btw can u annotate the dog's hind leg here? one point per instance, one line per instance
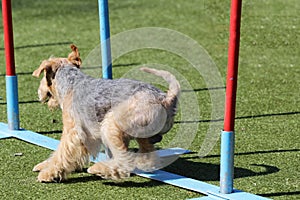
(146, 158)
(122, 161)
(145, 146)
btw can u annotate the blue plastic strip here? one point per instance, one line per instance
(3, 136)
(105, 39)
(30, 137)
(212, 191)
(172, 152)
(161, 153)
(227, 162)
(12, 102)
(204, 198)
(235, 195)
(180, 181)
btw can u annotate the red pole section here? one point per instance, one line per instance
(232, 68)
(8, 38)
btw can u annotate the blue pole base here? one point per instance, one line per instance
(226, 163)
(12, 102)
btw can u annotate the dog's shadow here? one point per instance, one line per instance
(126, 183)
(187, 166)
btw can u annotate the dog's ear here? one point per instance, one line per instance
(41, 68)
(50, 67)
(74, 56)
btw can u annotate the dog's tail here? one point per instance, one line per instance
(170, 102)
(174, 87)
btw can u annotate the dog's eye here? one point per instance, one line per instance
(49, 94)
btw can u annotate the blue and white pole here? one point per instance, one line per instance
(105, 47)
(105, 39)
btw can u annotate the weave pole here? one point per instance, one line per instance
(105, 39)
(11, 77)
(227, 135)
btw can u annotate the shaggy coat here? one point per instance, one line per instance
(103, 111)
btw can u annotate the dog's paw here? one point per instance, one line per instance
(49, 176)
(39, 167)
(147, 161)
(108, 172)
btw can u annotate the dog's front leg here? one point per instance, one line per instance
(39, 167)
(70, 155)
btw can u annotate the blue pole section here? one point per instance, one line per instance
(105, 39)
(12, 102)
(105, 47)
(227, 156)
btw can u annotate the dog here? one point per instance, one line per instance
(107, 112)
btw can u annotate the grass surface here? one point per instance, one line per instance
(267, 124)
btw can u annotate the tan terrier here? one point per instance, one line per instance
(103, 111)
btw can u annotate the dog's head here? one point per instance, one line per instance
(46, 90)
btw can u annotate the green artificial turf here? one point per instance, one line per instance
(267, 115)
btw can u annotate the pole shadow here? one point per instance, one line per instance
(241, 117)
(39, 45)
(23, 102)
(278, 194)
